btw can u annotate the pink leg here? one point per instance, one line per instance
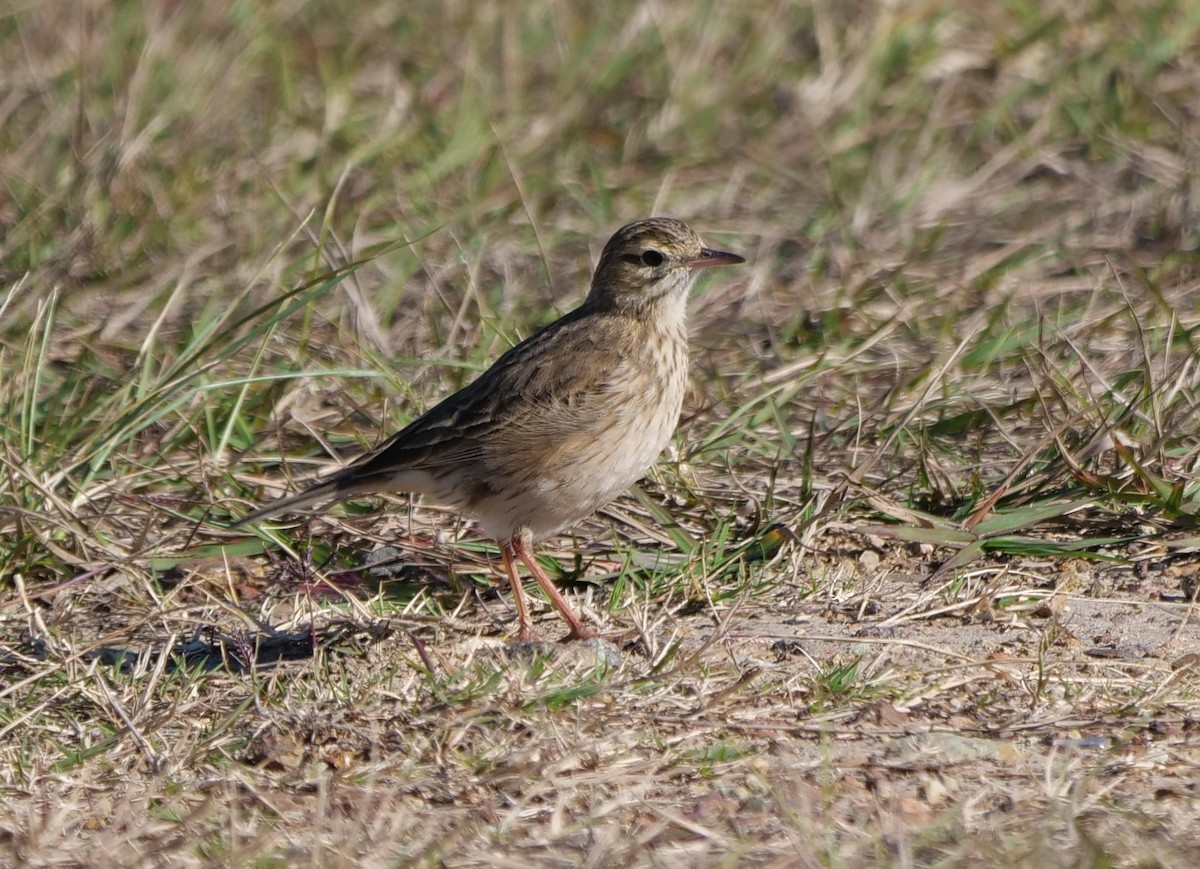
(525, 629)
(521, 547)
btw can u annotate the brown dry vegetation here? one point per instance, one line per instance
(914, 586)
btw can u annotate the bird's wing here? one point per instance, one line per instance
(522, 392)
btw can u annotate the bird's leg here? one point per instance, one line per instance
(522, 547)
(525, 631)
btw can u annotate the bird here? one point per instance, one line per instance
(562, 423)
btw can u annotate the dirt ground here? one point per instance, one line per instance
(830, 706)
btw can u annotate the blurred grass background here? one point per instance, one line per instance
(237, 231)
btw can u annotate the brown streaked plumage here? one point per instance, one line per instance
(563, 422)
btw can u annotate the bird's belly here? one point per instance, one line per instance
(575, 477)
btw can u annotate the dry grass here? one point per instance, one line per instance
(915, 586)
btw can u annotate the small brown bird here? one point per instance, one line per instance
(562, 423)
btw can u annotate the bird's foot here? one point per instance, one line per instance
(579, 632)
(526, 634)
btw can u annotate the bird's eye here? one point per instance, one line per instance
(652, 258)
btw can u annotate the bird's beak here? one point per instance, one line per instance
(709, 258)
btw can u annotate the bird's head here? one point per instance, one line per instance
(649, 260)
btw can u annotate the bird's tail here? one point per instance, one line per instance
(335, 488)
